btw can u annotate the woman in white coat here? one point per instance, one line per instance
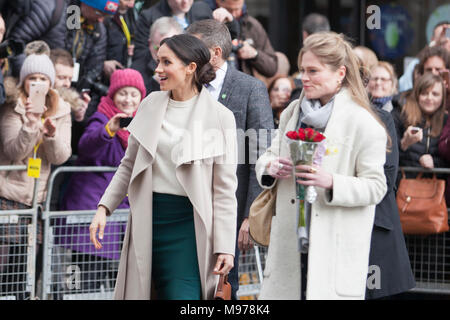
(349, 183)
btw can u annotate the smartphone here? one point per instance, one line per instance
(88, 91)
(124, 122)
(38, 92)
(414, 130)
(447, 32)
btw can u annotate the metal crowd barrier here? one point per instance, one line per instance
(72, 268)
(430, 255)
(71, 274)
(18, 231)
(251, 268)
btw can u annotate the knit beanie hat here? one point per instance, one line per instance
(37, 63)
(106, 6)
(126, 78)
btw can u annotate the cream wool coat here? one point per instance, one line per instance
(208, 179)
(340, 229)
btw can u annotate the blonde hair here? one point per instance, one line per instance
(411, 111)
(334, 51)
(390, 69)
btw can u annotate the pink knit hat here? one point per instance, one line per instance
(126, 78)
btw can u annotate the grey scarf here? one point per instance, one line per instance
(313, 114)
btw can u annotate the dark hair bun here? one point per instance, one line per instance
(206, 74)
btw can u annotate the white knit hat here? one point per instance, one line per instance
(37, 63)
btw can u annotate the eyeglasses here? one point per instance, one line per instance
(381, 79)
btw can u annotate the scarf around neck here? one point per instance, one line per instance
(108, 108)
(313, 114)
(380, 102)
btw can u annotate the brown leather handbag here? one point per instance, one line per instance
(421, 205)
(260, 216)
(223, 291)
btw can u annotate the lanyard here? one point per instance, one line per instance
(36, 147)
(125, 30)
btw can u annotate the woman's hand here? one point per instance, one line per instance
(49, 128)
(114, 122)
(224, 264)
(313, 176)
(98, 223)
(410, 137)
(426, 161)
(280, 168)
(244, 241)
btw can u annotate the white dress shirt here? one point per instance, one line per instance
(215, 86)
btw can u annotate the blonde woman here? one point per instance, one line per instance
(333, 261)
(383, 85)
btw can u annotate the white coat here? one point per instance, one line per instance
(341, 229)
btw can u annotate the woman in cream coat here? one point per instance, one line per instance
(204, 169)
(349, 182)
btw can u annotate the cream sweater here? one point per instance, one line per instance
(172, 129)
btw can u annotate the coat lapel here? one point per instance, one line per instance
(153, 107)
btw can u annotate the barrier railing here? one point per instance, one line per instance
(72, 268)
(18, 232)
(430, 255)
(251, 268)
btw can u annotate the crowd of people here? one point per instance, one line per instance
(210, 63)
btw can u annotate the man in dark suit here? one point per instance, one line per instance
(247, 97)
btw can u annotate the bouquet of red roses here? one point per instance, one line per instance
(307, 147)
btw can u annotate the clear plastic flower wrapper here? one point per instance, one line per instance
(307, 147)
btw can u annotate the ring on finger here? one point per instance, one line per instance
(280, 166)
(312, 170)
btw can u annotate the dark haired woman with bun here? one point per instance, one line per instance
(179, 172)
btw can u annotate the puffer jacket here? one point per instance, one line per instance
(117, 48)
(17, 146)
(37, 25)
(94, 50)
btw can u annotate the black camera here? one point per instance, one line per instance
(124, 122)
(235, 48)
(10, 48)
(88, 83)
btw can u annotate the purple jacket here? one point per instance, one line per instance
(96, 148)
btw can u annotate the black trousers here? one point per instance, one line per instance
(304, 275)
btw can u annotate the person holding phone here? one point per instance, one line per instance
(34, 124)
(103, 143)
(420, 122)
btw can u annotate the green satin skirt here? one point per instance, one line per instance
(175, 272)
